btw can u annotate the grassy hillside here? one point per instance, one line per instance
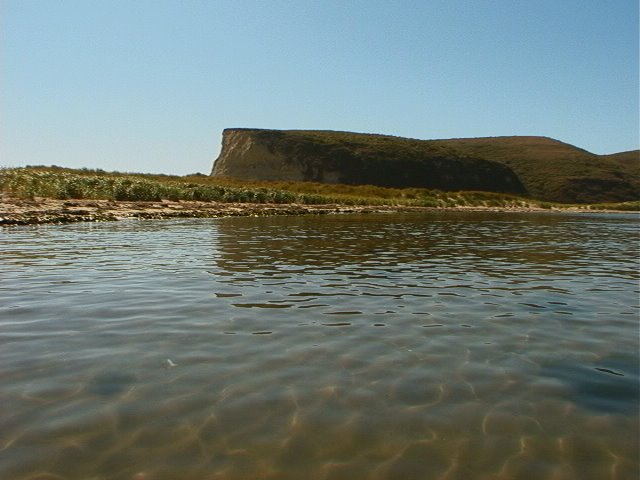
(560, 172)
(536, 167)
(363, 159)
(64, 183)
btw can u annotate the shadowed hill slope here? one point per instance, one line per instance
(538, 167)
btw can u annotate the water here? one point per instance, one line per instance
(434, 346)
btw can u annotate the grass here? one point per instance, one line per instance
(63, 183)
(85, 184)
(621, 206)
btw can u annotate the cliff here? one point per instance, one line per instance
(537, 167)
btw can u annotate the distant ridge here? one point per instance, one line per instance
(538, 167)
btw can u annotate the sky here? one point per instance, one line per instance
(149, 85)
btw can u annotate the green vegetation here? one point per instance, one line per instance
(361, 159)
(63, 183)
(66, 183)
(621, 206)
(559, 172)
(533, 167)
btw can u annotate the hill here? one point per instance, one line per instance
(537, 167)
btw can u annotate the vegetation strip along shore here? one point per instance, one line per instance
(37, 195)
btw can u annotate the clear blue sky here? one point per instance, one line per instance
(149, 85)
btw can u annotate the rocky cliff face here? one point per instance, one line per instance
(531, 166)
(249, 154)
(292, 156)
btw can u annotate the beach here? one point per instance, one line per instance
(40, 210)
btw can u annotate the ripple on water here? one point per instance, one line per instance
(601, 389)
(446, 345)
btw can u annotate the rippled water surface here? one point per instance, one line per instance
(434, 346)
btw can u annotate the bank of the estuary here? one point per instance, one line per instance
(41, 210)
(35, 195)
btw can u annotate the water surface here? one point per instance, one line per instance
(433, 346)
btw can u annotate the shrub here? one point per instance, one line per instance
(62, 183)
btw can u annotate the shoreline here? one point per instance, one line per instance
(40, 210)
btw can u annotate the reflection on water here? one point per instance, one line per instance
(444, 345)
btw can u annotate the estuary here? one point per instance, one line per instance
(439, 345)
